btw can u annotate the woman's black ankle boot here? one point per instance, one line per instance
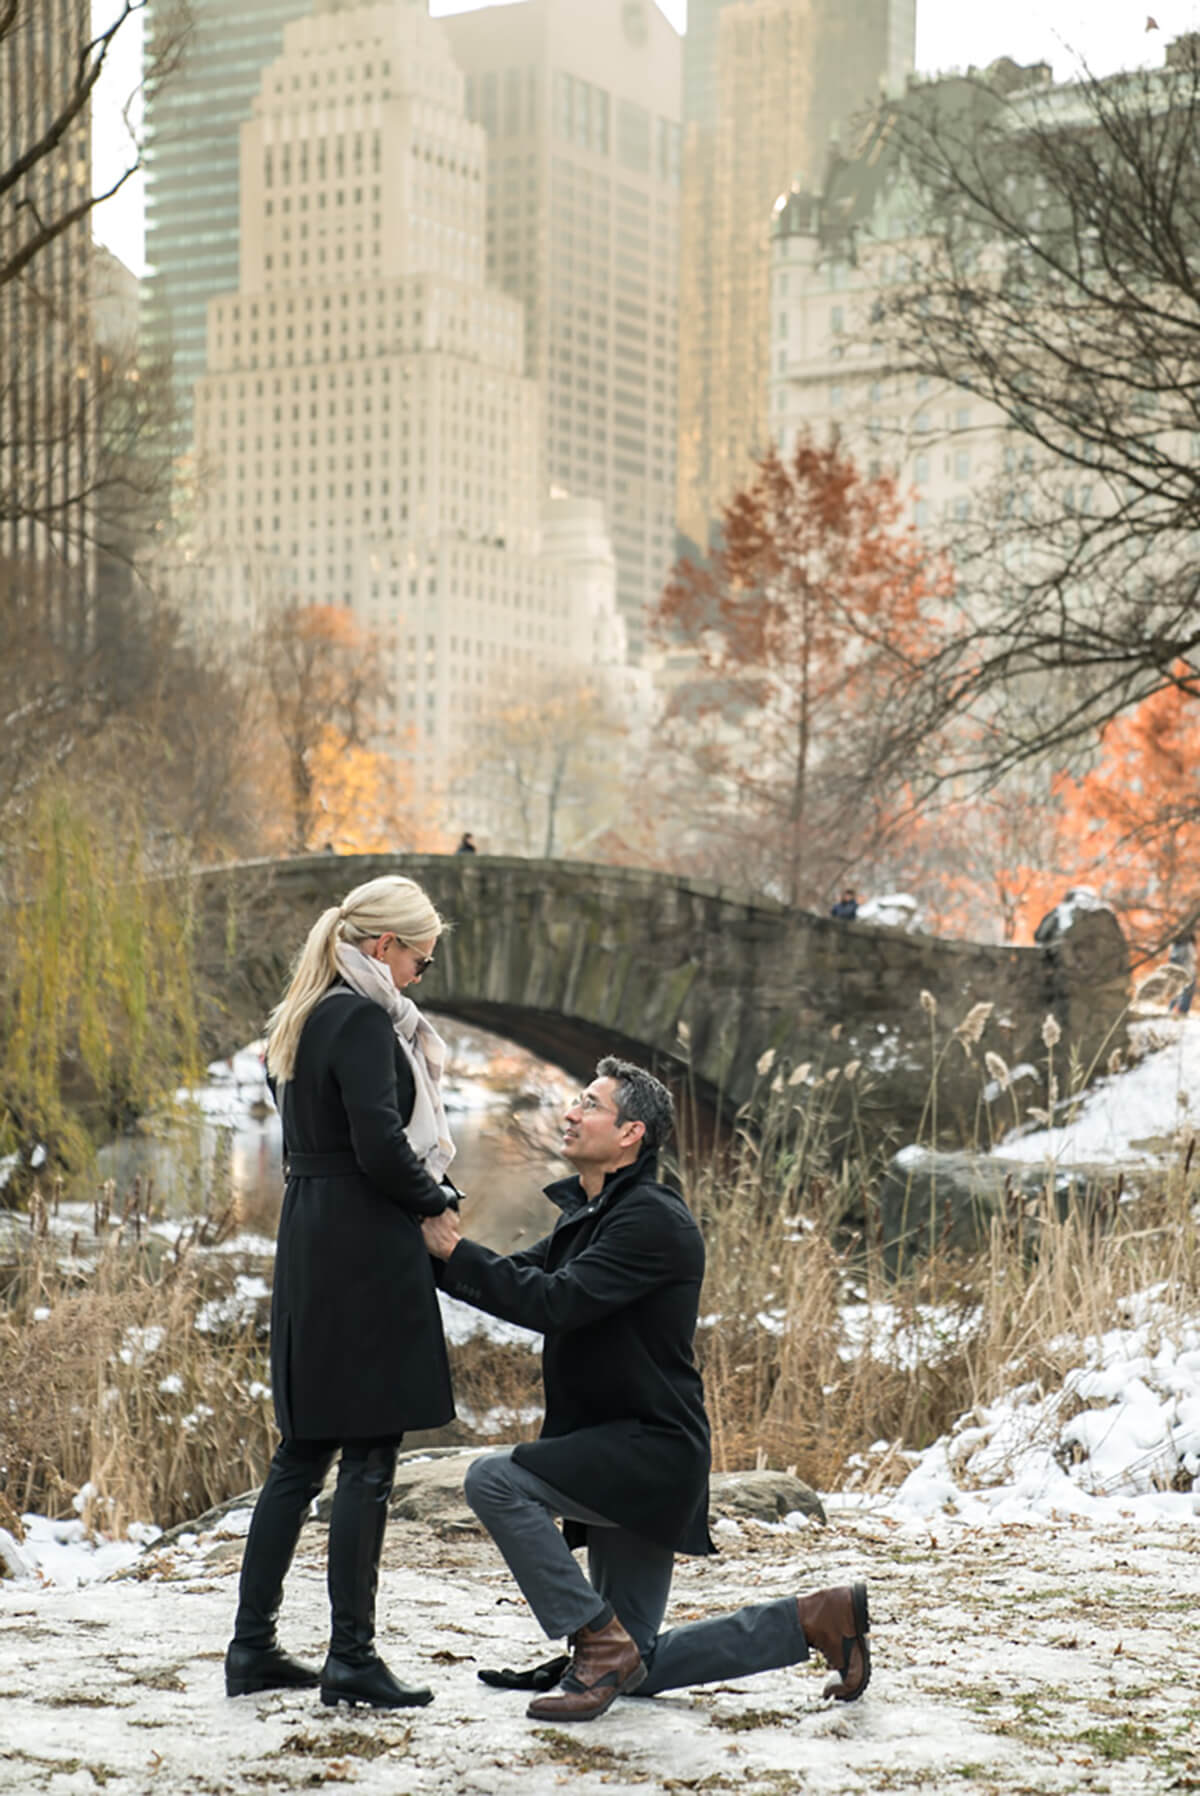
(371, 1683)
(249, 1669)
(255, 1660)
(354, 1672)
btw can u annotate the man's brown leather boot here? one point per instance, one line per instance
(605, 1664)
(837, 1623)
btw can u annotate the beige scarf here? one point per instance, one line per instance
(427, 1129)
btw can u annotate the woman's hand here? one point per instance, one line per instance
(442, 1234)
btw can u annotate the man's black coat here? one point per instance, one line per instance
(357, 1351)
(615, 1290)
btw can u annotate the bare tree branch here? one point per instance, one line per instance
(1054, 273)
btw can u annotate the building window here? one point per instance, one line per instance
(667, 151)
(633, 137)
(512, 102)
(488, 115)
(581, 113)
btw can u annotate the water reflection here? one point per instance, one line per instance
(503, 1107)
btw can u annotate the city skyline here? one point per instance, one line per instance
(368, 435)
(948, 36)
(770, 85)
(583, 168)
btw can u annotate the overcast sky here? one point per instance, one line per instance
(1107, 34)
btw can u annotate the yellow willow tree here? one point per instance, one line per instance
(97, 1008)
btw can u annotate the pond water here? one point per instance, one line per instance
(224, 1145)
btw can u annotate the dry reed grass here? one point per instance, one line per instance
(1047, 1281)
(785, 1382)
(497, 1390)
(814, 1352)
(136, 1375)
(814, 1355)
(135, 1381)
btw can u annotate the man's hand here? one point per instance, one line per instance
(442, 1234)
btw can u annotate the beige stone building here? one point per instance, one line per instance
(366, 434)
(47, 378)
(581, 107)
(779, 80)
(834, 367)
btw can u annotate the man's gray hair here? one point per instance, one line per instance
(640, 1098)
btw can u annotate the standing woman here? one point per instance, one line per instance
(357, 1351)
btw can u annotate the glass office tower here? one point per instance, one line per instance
(193, 124)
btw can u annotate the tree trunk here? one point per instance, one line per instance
(799, 801)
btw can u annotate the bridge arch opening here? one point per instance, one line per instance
(573, 961)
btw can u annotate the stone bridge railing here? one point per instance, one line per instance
(572, 960)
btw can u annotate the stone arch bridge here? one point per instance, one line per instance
(572, 960)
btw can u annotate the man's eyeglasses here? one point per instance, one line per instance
(589, 1104)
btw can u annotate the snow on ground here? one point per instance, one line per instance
(1118, 1438)
(1033, 1598)
(1052, 1656)
(1134, 1117)
(462, 1323)
(1034, 1584)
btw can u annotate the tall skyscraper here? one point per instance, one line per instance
(835, 368)
(47, 376)
(581, 104)
(769, 84)
(366, 433)
(192, 125)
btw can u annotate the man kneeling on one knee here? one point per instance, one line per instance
(623, 1458)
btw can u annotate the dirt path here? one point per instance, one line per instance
(1058, 1658)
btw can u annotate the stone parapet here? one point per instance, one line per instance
(572, 960)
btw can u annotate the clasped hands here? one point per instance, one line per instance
(442, 1234)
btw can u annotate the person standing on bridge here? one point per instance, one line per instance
(623, 1456)
(357, 1351)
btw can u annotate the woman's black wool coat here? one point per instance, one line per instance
(357, 1350)
(615, 1290)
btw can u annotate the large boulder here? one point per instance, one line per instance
(763, 1496)
(932, 1202)
(429, 1489)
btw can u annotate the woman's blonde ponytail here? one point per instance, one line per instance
(390, 904)
(315, 971)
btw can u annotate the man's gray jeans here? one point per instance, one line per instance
(518, 1509)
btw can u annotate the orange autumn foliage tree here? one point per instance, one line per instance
(805, 630)
(332, 759)
(1127, 828)
(365, 800)
(986, 866)
(1130, 823)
